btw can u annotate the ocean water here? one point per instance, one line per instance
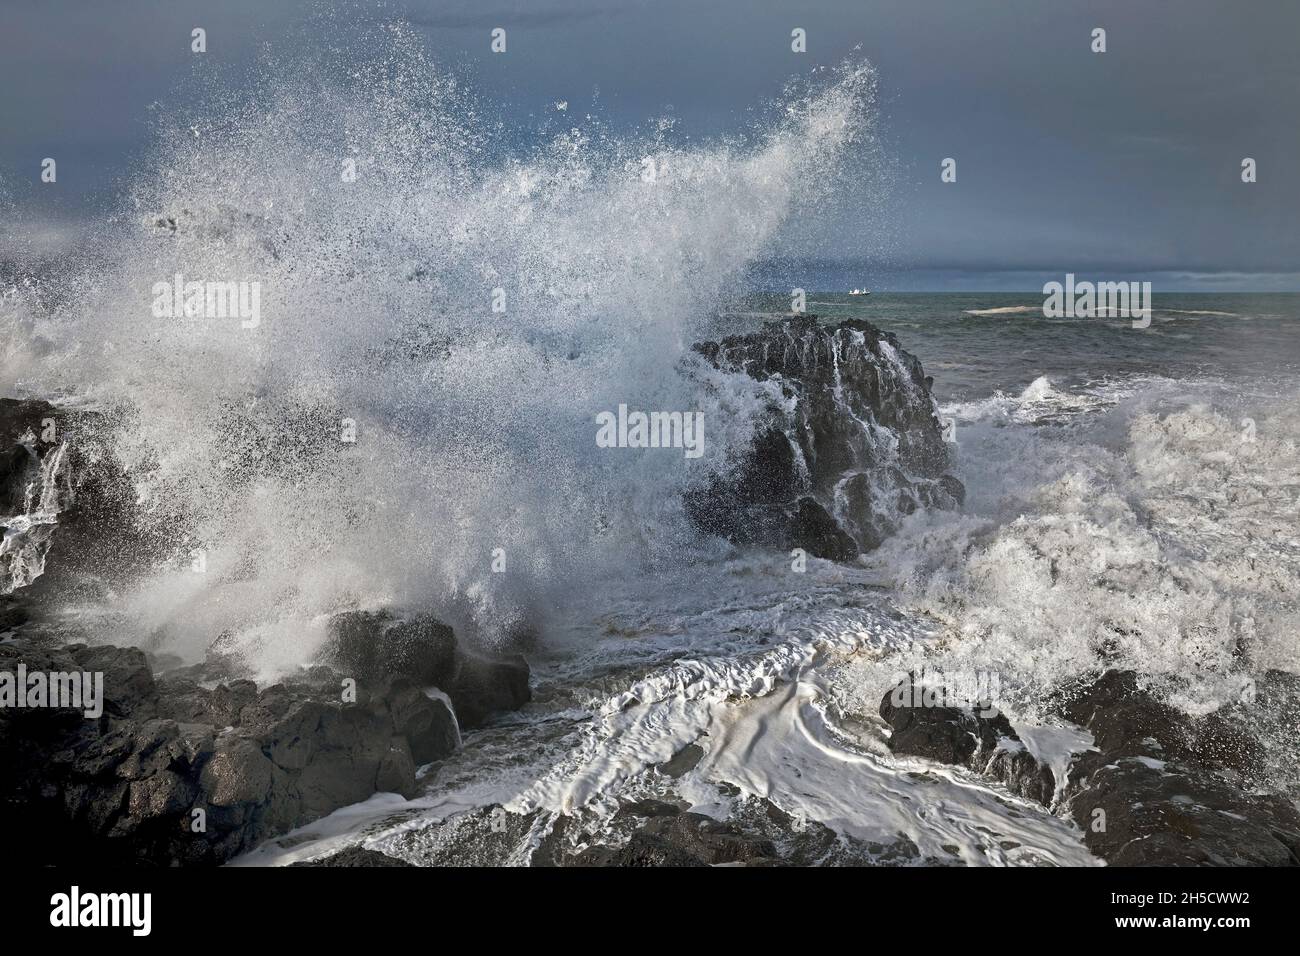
(1130, 504)
(1132, 495)
(979, 343)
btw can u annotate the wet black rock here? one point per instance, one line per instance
(948, 734)
(82, 528)
(34, 484)
(682, 839)
(651, 808)
(683, 761)
(1158, 788)
(428, 727)
(1013, 764)
(862, 447)
(484, 686)
(377, 647)
(176, 772)
(1165, 789)
(354, 856)
(28, 431)
(645, 832)
(976, 735)
(652, 832)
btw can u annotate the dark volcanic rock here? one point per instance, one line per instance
(814, 529)
(1020, 771)
(176, 770)
(975, 736)
(483, 686)
(682, 839)
(375, 647)
(126, 787)
(1164, 789)
(427, 725)
(658, 833)
(70, 507)
(1159, 788)
(862, 448)
(943, 733)
(683, 761)
(354, 856)
(35, 485)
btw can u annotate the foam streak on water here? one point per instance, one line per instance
(757, 680)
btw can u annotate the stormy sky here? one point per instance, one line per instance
(1125, 164)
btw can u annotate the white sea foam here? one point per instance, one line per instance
(761, 677)
(1040, 401)
(1131, 530)
(1128, 526)
(1005, 310)
(1038, 309)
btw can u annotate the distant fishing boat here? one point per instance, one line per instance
(859, 292)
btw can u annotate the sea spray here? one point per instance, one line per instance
(437, 330)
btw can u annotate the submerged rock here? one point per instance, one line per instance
(853, 445)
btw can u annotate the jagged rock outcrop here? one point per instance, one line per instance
(34, 487)
(853, 445)
(124, 786)
(66, 508)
